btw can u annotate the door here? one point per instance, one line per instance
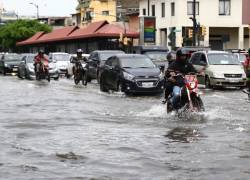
(196, 62)
(93, 65)
(114, 73)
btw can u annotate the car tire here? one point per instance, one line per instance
(56, 78)
(67, 75)
(102, 86)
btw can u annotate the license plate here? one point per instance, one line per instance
(147, 84)
(233, 80)
(15, 69)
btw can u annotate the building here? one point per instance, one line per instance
(56, 22)
(221, 21)
(89, 11)
(99, 35)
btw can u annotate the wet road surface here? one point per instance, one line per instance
(63, 131)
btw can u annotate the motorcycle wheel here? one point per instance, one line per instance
(84, 79)
(169, 107)
(102, 86)
(198, 104)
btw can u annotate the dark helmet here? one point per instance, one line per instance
(181, 54)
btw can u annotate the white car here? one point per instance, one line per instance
(69, 70)
(61, 59)
(222, 69)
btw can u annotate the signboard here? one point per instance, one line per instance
(147, 30)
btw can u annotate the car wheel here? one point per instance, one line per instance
(56, 78)
(207, 83)
(4, 73)
(102, 85)
(67, 74)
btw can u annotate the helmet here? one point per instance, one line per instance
(181, 55)
(40, 51)
(79, 51)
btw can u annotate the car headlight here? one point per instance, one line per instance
(218, 75)
(31, 68)
(5, 64)
(161, 76)
(128, 76)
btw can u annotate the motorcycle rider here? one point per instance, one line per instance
(76, 60)
(174, 83)
(247, 70)
(38, 59)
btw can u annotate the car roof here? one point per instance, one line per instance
(58, 53)
(108, 51)
(130, 55)
(212, 52)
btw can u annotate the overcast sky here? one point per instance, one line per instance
(46, 7)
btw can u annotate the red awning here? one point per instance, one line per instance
(96, 29)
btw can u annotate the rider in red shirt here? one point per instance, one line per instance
(247, 69)
(38, 58)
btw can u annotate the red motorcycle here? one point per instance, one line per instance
(190, 100)
(43, 70)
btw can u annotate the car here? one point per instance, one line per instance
(96, 61)
(69, 71)
(9, 63)
(222, 69)
(131, 73)
(26, 68)
(157, 54)
(61, 59)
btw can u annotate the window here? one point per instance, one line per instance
(144, 12)
(172, 9)
(153, 10)
(105, 13)
(190, 8)
(162, 9)
(195, 59)
(224, 7)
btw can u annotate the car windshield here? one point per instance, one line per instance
(12, 57)
(222, 59)
(157, 55)
(61, 57)
(106, 55)
(242, 57)
(30, 59)
(137, 62)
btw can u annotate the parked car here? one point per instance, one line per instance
(221, 69)
(131, 73)
(69, 70)
(97, 60)
(61, 59)
(26, 68)
(157, 54)
(9, 63)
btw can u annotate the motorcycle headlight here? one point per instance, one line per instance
(128, 76)
(5, 64)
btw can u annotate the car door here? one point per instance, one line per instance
(202, 67)
(196, 60)
(21, 66)
(2, 64)
(105, 74)
(114, 73)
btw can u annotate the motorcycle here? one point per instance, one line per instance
(190, 100)
(80, 73)
(43, 71)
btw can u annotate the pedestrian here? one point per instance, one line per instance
(247, 70)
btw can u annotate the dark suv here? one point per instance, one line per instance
(131, 73)
(9, 63)
(96, 61)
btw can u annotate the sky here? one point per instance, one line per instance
(46, 7)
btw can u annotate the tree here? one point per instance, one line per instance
(19, 30)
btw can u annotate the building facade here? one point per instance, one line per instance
(89, 11)
(222, 20)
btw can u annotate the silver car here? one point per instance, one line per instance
(222, 69)
(61, 59)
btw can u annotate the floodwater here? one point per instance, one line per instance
(58, 130)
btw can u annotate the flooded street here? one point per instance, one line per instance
(63, 131)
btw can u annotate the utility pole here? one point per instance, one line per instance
(148, 7)
(194, 23)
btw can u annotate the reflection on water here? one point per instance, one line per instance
(182, 134)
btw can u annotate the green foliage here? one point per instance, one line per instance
(19, 30)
